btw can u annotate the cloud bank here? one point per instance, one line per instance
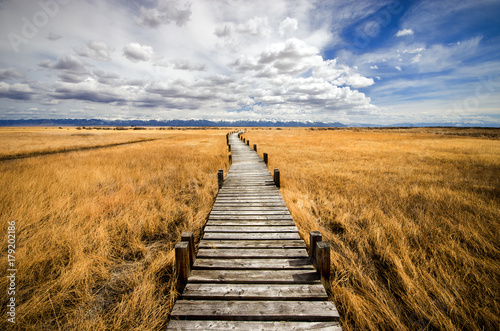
(215, 60)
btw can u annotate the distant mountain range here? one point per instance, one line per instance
(207, 123)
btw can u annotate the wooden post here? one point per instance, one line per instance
(229, 146)
(182, 264)
(189, 238)
(314, 237)
(277, 177)
(255, 147)
(220, 177)
(265, 158)
(230, 159)
(248, 142)
(323, 261)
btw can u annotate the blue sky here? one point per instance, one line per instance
(374, 62)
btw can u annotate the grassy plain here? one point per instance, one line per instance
(95, 229)
(31, 141)
(412, 215)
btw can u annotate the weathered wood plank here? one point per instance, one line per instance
(248, 186)
(252, 253)
(251, 326)
(306, 276)
(251, 223)
(247, 195)
(252, 264)
(218, 209)
(222, 200)
(313, 311)
(268, 199)
(228, 204)
(290, 292)
(250, 217)
(251, 236)
(251, 244)
(248, 189)
(249, 212)
(251, 229)
(242, 187)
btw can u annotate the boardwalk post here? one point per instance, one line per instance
(189, 238)
(265, 158)
(230, 159)
(229, 147)
(277, 177)
(220, 177)
(323, 261)
(314, 237)
(248, 142)
(255, 147)
(182, 264)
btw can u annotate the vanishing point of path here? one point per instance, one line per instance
(252, 271)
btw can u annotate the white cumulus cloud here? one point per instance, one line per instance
(167, 11)
(288, 25)
(136, 52)
(97, 50)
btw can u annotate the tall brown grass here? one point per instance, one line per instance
(28, 141)
(96, 229)
(413, 218)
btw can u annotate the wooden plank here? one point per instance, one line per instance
(249, 212)
(251, 244)
(252, 264)
(252, 253)
(229, 204)
(248, 188)
(312, 311)
(252, 326)
(234, 197)
(273, 199)
(306, 276)
(243, 207)
(251, 229)
(251, 223)
(292, 292)
(227, 196)
(250, 217)
(256, 182)
(225, 200)
(251, 236)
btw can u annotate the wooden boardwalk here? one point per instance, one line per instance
(252, 271)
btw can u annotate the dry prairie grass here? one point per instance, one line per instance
(32, 141)
(412, 217)
(96, 229)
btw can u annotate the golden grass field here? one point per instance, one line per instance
(96, 228)
(25, 141)
(412, 215)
